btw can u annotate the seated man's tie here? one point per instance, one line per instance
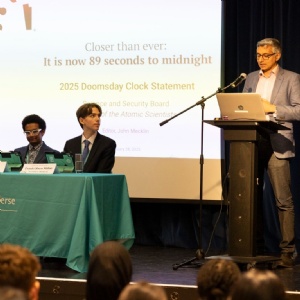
(85, 151)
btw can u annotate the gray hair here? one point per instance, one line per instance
(270, 42)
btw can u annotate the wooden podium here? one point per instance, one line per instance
(243, 182)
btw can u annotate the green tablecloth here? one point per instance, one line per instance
(65, 215)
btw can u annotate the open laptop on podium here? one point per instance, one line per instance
(241, 106)
(245, 107)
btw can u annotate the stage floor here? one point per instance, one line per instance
(155, 265)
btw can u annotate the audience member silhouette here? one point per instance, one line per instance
(143, 291)
(259, 285)
(216, 278)
(18, 269)
(109, 271)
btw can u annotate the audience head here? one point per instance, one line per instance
(11, 293)
(34, 128)
(110, 270)
(216, 278)
(85, 110)
(18, 269)
(259, 285)
(143, 291)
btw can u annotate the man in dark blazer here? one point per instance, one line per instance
(101, 149)
(34, 128)
(280, 92)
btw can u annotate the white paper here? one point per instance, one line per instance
(3, 167)
(39, 169)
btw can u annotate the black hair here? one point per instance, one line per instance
(34, 119)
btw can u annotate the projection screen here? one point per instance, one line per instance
(142, 61)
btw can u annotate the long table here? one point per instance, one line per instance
(65, 215)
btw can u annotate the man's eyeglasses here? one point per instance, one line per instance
(32, 132)
(264, 56)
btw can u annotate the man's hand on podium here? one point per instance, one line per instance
(268, 107)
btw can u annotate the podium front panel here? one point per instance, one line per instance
(244, 227)
(241, 135)
(242, 198)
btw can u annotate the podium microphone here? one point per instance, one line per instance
(239, 80)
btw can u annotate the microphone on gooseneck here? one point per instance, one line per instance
(239, 80)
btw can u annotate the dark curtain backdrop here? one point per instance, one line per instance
(244, 23)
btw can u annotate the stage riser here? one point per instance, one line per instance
(53, 289)
(75, 290)
(62, 289)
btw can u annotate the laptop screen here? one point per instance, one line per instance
(63, 161)
(241, 106)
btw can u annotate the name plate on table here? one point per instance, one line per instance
(39, 169)
(3, 167)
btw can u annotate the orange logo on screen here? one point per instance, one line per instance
(27, 15)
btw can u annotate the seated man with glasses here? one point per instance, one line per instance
(34, 129)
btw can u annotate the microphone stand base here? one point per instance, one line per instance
(195, 262)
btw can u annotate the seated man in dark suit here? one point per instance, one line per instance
(34, 129)
(98, 151)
